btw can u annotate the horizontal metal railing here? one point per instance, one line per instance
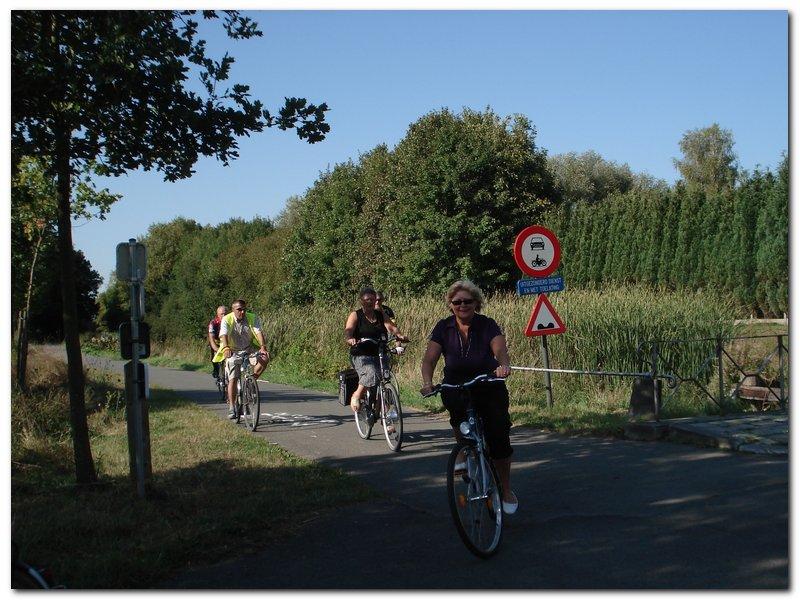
(700, 378)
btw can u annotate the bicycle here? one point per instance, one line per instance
(473, 486)
(248, 400)
(391, 413)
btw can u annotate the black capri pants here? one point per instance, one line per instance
(491, 404)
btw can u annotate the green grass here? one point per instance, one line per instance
(218, 491)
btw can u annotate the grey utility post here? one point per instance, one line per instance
(132, 267)
(546, 362)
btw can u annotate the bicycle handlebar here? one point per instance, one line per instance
(397, 350)
(486, 378)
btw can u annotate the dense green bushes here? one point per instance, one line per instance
(445, 203)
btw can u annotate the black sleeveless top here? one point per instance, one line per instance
(365, 329)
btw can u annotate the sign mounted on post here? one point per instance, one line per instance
(131, 260)
(126, 340)
(544, 319)
(537, 251)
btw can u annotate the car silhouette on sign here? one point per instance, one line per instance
(537, 243)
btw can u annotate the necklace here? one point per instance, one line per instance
(465, 353)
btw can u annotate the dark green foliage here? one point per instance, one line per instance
(446, 203)
(329, 234)
(113, 305)
(45, 321)
(193, 269)
(772, 240)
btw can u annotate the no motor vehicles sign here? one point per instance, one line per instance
(537, 251)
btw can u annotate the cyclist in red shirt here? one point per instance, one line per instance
(213, 337)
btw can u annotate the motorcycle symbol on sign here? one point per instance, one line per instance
(538, 262)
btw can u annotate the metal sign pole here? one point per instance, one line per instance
(546, 361)
(136, 399)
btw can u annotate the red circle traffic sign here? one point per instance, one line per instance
(537, 251)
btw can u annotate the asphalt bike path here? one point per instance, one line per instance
(595, 513)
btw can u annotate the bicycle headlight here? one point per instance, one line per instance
(465, 428)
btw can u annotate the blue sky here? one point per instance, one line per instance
(624, 84)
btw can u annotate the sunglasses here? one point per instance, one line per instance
(242, 309)
(460, 302)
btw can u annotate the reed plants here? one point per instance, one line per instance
(604, 330)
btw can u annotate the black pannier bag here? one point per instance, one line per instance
(348, 382)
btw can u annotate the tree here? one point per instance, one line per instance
(709, 161)
(321, 250)
(33, 214)
(463, 186)
(113, 305)
(113, 87)
(772, 241)
(588, 177)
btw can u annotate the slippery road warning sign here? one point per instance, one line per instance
(544, 319)
(537, 251)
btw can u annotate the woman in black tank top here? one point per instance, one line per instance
(366, 322)
(367, 326)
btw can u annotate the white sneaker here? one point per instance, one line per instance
(510, 508)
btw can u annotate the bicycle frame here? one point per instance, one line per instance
(472, 427)
(384, 366)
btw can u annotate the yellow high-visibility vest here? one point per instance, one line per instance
(251, 319)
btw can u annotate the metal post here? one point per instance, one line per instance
(656, 382)
(780, 370)
(136, 401)
(547, 383)
(720, 373)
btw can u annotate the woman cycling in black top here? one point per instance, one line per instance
(366, 322)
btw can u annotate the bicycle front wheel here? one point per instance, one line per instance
(392, 418)
(475, 499)
(222, 384)
(364, 419)
(252, 403)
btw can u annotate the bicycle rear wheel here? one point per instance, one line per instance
(392, 418)
(364, 418)
(475, 500)
(252, 403)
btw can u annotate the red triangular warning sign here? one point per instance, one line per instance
(544, 319)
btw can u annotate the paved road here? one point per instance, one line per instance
(594, 513)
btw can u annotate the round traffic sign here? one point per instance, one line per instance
(537, 251)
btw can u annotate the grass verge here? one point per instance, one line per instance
(217, 490)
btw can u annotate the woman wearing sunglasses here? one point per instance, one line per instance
(473, 344)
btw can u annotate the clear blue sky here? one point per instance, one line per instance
(624, 84)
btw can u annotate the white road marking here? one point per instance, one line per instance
(296, 420)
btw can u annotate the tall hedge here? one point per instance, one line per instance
(685, 238)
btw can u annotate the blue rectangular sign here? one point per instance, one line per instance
(543, 285)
